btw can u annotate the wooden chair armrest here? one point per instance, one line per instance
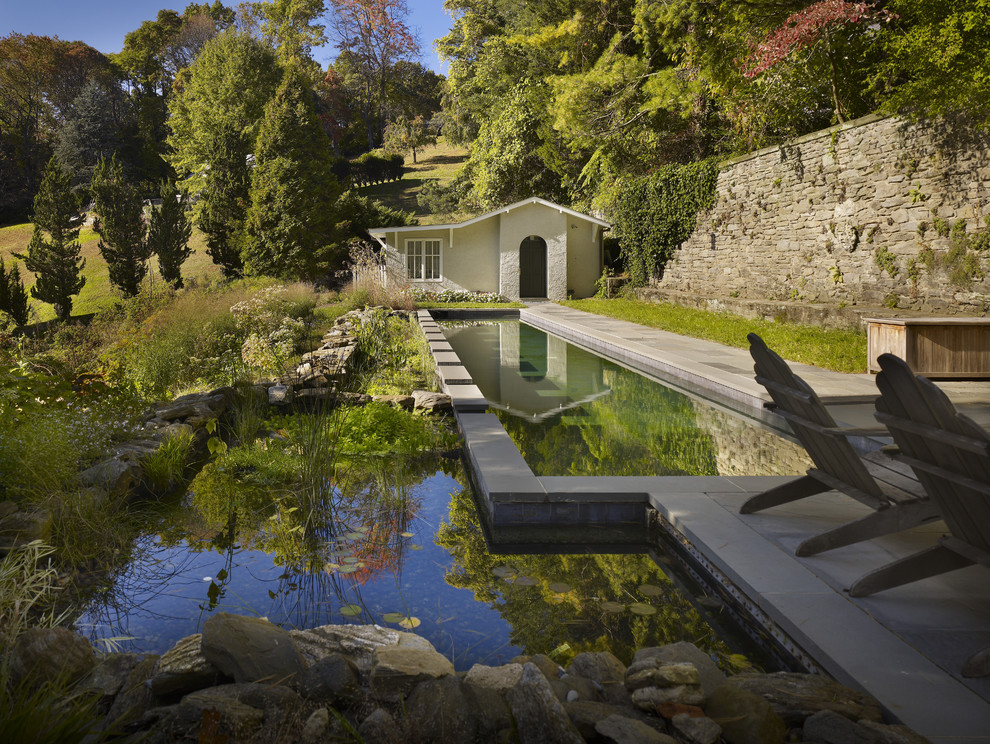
(859, 431)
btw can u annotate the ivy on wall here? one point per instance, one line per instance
(653, 214)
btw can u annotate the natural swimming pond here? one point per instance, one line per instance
(571, 412)
(404, 549)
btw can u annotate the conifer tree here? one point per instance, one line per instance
(291, 225)
(169, 231)
(13, 297)
(55, 260)
(224, 205)
(120, 225)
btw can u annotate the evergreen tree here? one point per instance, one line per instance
(13, 297)
(120, 225)
(291, 225)
(168, 234)
(92, 130)
(55, 261)
(224, 199)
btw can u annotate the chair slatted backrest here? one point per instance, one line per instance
(949, 452)
(810, 421)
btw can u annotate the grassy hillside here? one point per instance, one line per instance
(98, 293)
(439, 163)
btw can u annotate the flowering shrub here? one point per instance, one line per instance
(455, 295)
(272, 332)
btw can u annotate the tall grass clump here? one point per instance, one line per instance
(164, 468)
(373, 284)
(394, 358)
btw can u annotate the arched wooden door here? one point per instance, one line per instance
(533, 267)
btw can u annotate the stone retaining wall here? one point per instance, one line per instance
(847, 216)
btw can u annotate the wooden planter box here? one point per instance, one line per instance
(947, 348)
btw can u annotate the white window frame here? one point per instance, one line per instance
(423, 266)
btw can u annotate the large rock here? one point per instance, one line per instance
(109, 675)
(135, 697)
(439, 711)
(357, 642)
(499, 678)
(316, 728)
(43, 655)
(250, 649)
(602, 667)
(745, 718)
(586, 714)
(794, 697)
(431, 402)
(333, 679)
(828, 727)
(213, 716)
(397, 669)
(183, 668)
(381, 728)
(485, 687)
(683, 652)
(655, 673)
(621, 730)
(653, 698)
(696, 730)
(115, 476)
(538, 714)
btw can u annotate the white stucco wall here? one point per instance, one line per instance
(584, 257)
(468, 257)
(549, 224)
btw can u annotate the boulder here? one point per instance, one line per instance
(250, 649)
(656, 673)
(745, 717)
(405, 402)
(116, 476)
(586, 714)
(828, 727)
(183, 668)
(653, 698)
(431, 402)
(316, 727)
(494, 678)
(583, 689)
(333, 679)
(135, 697)
(602, 667)
(357, 642)
(280, 395)
(484, 688)
(397, 669)
(380, 728)
(538, 715)
(550, 668)
(212, 716)
(683, 652)
(41, 655)
(109, 675)
(621, 730)
(794, 697)
(696, 729)
(438, 710)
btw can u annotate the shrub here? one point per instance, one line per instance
(455, 295)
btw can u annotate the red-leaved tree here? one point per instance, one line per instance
(376, 35)
(815, 29)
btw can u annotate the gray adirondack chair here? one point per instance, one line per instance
(875, 479)
(951, 455)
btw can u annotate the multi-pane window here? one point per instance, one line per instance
(423, 259)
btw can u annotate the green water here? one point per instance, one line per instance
(571, 412)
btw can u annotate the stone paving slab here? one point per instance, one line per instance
(454, 375)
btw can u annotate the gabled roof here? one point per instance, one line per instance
(377, 231)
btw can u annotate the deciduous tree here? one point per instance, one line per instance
(54, 253)
(120, 225)
(404, 135)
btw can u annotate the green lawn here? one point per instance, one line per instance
(438, 163)
(842, 351)
(97, 294)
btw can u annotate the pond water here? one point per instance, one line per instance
(571, 412)
(403, 546)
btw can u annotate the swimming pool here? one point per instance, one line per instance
(572, 412)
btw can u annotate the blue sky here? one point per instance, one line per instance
(103, 23)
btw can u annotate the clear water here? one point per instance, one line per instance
(423, 557)
(571, 412)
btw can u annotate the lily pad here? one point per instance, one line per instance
(525, 581)
(409, 622)
(613, 607)
(504, 572)
(559, 588)
(650, 590)
(416, 547)
(644, 610)
(331, 567)
(348, 569)
(363, 529)
(351, 610)
(354, 535)
(393, 617)
(406, 534)
(351, 559)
